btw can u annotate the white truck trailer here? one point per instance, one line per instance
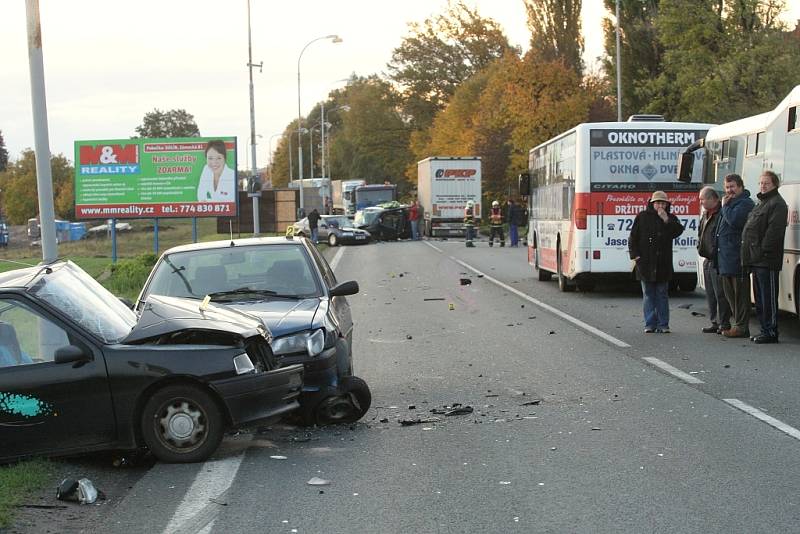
(343, 201)
(444, 186)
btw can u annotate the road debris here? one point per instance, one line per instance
(433, 298)
(532, 403)
(316, 481)
(80, 490)
(418, 421)
(451, 306)
(698, 314)
(465, 281)
(455, 409)
(278, 457)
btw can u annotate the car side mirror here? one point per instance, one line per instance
(70, 354)
(344, 289)
(685, 166)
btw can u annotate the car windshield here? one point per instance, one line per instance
(366, 217)
(81, 298)
(251, 272)
(341, 222)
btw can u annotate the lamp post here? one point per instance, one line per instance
(335, 39)
(291, 172)
(323, 125)
(250, 65)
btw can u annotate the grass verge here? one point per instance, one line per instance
(19, 480)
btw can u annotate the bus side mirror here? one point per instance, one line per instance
(524, 184)
(685, 166)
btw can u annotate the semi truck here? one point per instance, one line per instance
(444, 186)
(343, 200)
(370, 195)
(316, 194)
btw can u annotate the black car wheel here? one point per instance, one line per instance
(182, 424)
(333, 240)
(349, 406)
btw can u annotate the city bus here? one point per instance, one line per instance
(586, 186)
(748, 146)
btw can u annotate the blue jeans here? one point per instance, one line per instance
(314, 235)
(415, 230)
(656, 304)
(766, 290)
(513, 234)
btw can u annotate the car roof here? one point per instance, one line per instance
(227, 243)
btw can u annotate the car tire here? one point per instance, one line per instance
(333, 240)
(182, 424)
(350, 405)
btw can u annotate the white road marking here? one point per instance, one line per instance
(338, 256)
(758, 414)
(677, 373)
(197, 510)
(567, 317)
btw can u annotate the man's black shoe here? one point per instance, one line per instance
(763, 338)
(711, 329)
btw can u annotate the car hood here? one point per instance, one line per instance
(165, 315)
(282, 316)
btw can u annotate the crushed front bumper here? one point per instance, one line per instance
(256, 396)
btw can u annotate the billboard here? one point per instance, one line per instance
(144, 178)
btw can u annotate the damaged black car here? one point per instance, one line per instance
(287, 283)
(80, 371)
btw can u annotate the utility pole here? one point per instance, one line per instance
(255, 191)
(619, 72)
(44, 175)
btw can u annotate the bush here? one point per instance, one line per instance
(127, 277)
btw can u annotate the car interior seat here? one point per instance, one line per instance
(9, 341)
(209, 279)
(290, 277)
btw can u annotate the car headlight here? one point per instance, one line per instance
(243, 364)
(312, 342)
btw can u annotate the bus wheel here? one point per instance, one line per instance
(544, 276)
(563, 283)
(688, 283)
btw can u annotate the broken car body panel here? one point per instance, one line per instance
(75, 377)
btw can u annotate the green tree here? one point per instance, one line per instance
(438, 55)
(642, 51)
(3, 153)
(172, 123)
(555, 27)
(728, 60)
(18, 183)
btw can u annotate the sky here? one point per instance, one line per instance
(108, 63)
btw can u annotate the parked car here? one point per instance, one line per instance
(335, 230)
(80, 371)
(384, 223)
(286, 282)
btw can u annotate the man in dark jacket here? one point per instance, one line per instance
(516, 219)
(313, 222)
(762, 252)
(650, 246)
(718, 307)
(736, 206)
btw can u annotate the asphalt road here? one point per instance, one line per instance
(572, 429)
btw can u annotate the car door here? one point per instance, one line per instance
(47, 406)
(339, 306)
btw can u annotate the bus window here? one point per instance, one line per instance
(759, 142)
(750, 150)
(792, 119)
(725, 151)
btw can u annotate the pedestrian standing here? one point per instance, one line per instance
(762, 252)
(736, 206)
(718, 307)
(650, 246)
(313, 222)
(496, 224)
(514, 217)
(469, 223)
(413, 216)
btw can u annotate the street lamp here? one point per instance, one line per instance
(335, 39)
(250, 65)
(323, 125)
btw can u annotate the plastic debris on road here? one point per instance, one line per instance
(81, 490)
(316, 481)
(278, 457)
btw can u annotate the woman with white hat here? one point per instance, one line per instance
(650, 246)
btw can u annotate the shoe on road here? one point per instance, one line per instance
(735, 332)
(649, 330)
(713, 329)
(763, 338)
(664, 331)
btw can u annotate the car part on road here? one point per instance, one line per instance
(349, 405)
(182, 423)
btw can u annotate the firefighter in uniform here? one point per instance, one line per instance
(469, 222)
(496, 224)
